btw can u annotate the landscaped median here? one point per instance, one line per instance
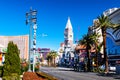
(46, 76)
(37, 76)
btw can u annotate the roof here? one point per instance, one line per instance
(80, 47)
(68, 25)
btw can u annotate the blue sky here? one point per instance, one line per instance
(51, 18)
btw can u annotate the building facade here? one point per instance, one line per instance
(42, 52)
(21, 41)
(113, 35)
(68, 43)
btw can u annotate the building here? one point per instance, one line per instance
(44, 52)
(61, 50)
(42, 55)
(80, 53)
(21, 41)
(68, 46)
(113, 35)
(68, 34)
(60, 53)
(2, 54)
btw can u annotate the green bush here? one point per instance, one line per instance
(1, 67)
(36, 69)
(14, 76)
(24, 69)
(98, 70)
(1, 71)
(12, 60)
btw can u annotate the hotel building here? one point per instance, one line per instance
(113, 35)
(21, 41)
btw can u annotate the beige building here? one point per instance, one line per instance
(21, 41)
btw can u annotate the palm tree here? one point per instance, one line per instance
(54, 55)
(87, 42)
(103, 24)
(95, 37)
(51, 57)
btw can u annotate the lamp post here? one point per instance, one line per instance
(34, 45)
(31, 19)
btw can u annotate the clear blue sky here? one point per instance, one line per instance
(51, 18)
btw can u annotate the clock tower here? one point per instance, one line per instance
(68, 34)
(68, 42)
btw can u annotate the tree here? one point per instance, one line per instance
(51, 57)
(12, 60)
(95, 37)
(104, 23)
(87, 42)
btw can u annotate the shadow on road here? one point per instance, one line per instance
(115, 76)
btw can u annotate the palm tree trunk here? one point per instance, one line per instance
(54, 62)
(105, 53)
(48, 62)
(96, 56)
(88, 62)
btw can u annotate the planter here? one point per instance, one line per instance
(31, 76)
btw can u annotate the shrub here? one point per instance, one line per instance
(11, 67)
(24, 68)
(1, 71)
(14, 76)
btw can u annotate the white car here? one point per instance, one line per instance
(112, 68)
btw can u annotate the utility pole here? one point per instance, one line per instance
(31, 19)
(34, 46)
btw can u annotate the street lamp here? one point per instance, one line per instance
(34, 45)
(30, 18)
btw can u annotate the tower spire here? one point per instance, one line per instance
(69, 25)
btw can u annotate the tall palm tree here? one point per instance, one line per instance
(104, 24)
(95, 37)
(87, 42)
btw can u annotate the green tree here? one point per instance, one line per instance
(51, 57)
(88, 42)
(95, 37)
(12, 60)
(104, 23)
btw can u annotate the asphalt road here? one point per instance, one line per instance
(69, 74)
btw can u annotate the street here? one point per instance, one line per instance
(69, 74)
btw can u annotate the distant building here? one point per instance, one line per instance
(66, 49)
(21, 41)
(68, 34)
(43, 52)
(60, 52)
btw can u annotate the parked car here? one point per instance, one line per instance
(110, 67)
